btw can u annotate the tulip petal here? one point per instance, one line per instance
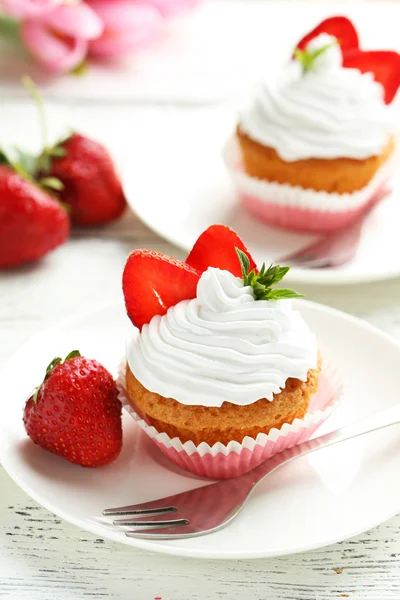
(76, 20)
(171, 8)
(56, 53)
(23, 9)
(127, 27)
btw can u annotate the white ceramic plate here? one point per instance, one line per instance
(329, 496)
(176, 182)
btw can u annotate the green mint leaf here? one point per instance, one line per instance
(307, 58)
(250, 277)
(302, 58)
(277, 273)
(272, 275)
(283, 293)
(263, 281)
(314, 54)
(244, 263)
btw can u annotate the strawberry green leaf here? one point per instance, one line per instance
(72, 354)
(4, 159)
(44, 162)
(36, 393)
(50, 368)
(52, 183)
(57, 151)
(26, 163)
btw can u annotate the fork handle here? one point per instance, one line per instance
(385, 418)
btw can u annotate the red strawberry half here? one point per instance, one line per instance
(384, 64)
(76, 412)
(340, 27)
(31, 222)
(153, 282)
(216, 248)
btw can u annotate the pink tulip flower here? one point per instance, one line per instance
(128, 26)
(59, 38)
(24, 9)
(171, 8)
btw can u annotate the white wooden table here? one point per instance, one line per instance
(43, 558)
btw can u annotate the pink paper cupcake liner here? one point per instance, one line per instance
(299, 209)
(222, 461)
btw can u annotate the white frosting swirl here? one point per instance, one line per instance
(222, 346)
(327, 112)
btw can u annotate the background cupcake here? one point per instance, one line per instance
(316, 145)
(232, 360)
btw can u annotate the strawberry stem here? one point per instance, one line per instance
(29, 85)
(36, 167)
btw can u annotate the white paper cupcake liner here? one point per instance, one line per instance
(294, 207)
(222, 461)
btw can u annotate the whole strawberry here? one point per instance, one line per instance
(91, 187)
(31, 222)
(76, 413)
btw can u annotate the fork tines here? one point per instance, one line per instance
(150, 524)
(137, 517)
(140, 512)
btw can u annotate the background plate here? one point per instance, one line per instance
(178, 185)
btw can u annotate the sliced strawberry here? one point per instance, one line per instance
(216, 248)
(152, 282)
(340, 27)
(384, 64)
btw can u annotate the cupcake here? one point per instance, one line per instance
(316, 145)
(217, 356)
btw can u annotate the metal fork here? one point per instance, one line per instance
(210, 508)
(334, 249)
